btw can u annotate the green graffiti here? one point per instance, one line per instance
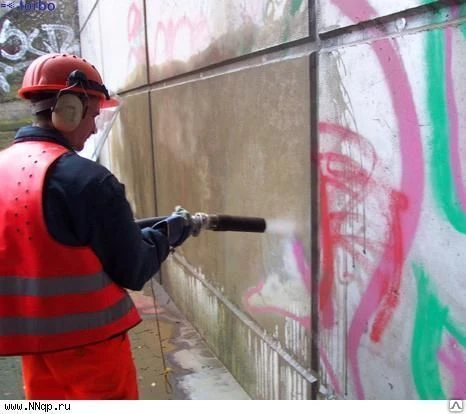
(429, 322)
(286, 31)
(456, 333)
(441, 169)
(294, 8)
(462, 13)
(295, 5)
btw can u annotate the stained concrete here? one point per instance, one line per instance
(124, 43)
(131, 157)
(238, 143)
(183, 36)
(11, 386)
(91, 46)
(193, 370)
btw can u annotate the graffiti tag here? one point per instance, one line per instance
(15, 45)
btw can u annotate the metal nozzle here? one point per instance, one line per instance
(203, 221)
(199, 221)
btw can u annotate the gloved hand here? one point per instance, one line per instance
(177, 227)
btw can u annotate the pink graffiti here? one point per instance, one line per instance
(134, 21)
(452, 358)
(304, 270)
(339, 176)
(181, 39)
(412, 181)
(135, 30)
(330, 372)
(305, 274)
(381, 296)
(343, 178)
(303, 265)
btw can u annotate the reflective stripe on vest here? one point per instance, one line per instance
(52, 286)
(66, 323)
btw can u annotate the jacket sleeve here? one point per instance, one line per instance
(84, 204)
(130, 256)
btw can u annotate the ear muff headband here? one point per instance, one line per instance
(79, 78)
(69, 110)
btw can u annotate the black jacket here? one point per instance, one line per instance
(85, 205)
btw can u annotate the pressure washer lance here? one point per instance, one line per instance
(215, 222)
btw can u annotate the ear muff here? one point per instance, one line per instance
(67, 113)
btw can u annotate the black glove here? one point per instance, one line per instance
(177, 227)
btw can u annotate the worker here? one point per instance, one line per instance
(69, 246)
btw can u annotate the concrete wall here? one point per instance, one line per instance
(339, 122)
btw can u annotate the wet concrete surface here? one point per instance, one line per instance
(190, 370)
(193, 370)
(11, 385)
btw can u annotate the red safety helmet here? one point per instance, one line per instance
(56, 72)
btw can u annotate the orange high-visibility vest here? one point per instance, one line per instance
(52, 296)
